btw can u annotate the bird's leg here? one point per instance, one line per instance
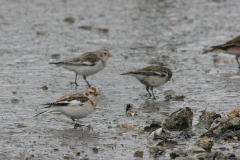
(84, 77)
(76, 125)
(147, 88)
(74, 121)
(237, 60)
(153, 93)
(76, 80)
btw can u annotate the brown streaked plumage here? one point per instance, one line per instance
(86, 64)
(75, 105)
(230, 47)
(152, 76)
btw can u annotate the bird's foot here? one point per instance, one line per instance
(74, 83)
(78, 125)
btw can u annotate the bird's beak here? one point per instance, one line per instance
(169, 79)
(96, 94)
(109, 55)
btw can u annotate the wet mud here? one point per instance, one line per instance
(138, 34)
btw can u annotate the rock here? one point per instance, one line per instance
(55, 56)
(67, 156)
(168, 143)
(205, 143)
(220, 125)
(235, 113)
(41, 33)
(156, 149)
(101, 29)
(14, 91)
(206, 115)
(12, 132)
(158, 132)
(125, 126)
(43, 88)
(178, 153)
(152, 127)
(216, 155)
(178, 97)
(138, 154)
(95, 150)
(15, 100)
(70, 20)
(234, 77)
(196, 149)
(86, 27)
(20, 125)
(179, 119)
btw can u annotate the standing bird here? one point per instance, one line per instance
(75, 105)
(152, 76)
(86, 64)
(230, 47)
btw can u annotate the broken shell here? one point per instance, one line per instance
(235, 113)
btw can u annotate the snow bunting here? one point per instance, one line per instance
(230, 47)
(86, 64)
(75, 105)
(152, 76)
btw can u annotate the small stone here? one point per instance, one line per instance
(103, 29)
(67, 156)
(138, 154)
(95, 150)
(102, 14)
(55, 56)
(86, 27)
(178, 97)
(173, 24)
(156, 149)
(43, 88)
(125, 126)
(20, 125)
(196, 149)
(41, 33)
(70, 20)
(15, 100)
(178, 153)
(14, 91)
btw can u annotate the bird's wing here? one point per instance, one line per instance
(86, 59)
(224, 47)
(71, 99)
(235, 41)
(152, 71)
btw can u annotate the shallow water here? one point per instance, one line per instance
(141, 33)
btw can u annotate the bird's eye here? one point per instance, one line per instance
(90, 92)
(105, 53)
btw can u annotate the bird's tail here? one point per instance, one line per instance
(126, 73)
(213, 48)
(54, 62)
(42, 113)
